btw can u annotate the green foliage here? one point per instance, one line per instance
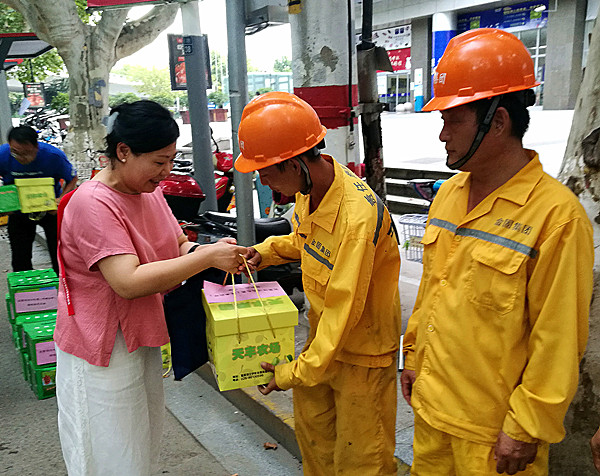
(52, 88)
(122, 98)
(60, 103)
(218, 69)
(218, 98)
(31, 70)
(184, 102)
(250, 68)
(165, 100)
(15, 102)
(151, 82)
(258, 92)
(283, 65)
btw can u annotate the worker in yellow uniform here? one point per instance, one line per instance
(345, 378)
(501, 320)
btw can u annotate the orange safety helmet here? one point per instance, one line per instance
(480, 64)
(276, 126)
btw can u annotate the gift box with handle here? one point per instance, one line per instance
(247, 324)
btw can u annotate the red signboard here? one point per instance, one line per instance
(112, 3)
(400, 59)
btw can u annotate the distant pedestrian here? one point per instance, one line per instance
(121, 247)
(501, 320)
(25, 157)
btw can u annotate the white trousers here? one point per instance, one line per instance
(110, 419)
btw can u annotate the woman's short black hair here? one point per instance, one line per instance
(145, 126)
(515, 104)
(23, 135)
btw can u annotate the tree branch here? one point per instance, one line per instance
(139, 33)
(54, 21)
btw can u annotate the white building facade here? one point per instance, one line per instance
(416, 33)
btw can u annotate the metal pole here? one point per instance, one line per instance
(238, 97)
(195, 70)
(370, 106)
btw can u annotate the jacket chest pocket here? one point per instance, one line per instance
(496, 277)
(316, 269)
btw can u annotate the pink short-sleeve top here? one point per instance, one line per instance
(99, 222)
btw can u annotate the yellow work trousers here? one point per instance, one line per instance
(346, 425)
(437, 453)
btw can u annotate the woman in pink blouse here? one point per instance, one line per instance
(121, 247)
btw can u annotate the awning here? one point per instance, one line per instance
(19, 46)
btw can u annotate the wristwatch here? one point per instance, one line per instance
(193, 248)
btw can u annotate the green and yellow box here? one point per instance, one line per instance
(25, 363)
(9, 310)
(39, 338)
(36, 194)
(33, 318)
(238, 343)
(9, 199)
(43, 381)
(32, 291)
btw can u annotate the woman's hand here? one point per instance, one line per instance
(227, 256)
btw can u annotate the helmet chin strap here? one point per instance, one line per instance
(306, 190)
(483, 129)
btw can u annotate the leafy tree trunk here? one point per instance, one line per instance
(581, 172)
(89, 52)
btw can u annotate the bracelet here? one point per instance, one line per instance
(193, 248)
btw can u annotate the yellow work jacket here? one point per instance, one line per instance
(501, 318)
(350, 263)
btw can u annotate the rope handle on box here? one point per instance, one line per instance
(237, 316)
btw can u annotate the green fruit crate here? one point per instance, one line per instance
(43, 381)
(9, 199)
(48, 317)
(40, 344)
(32, 291)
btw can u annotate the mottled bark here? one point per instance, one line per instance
(89, 53)
(581, 173)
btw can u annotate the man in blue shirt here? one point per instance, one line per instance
(25, 157)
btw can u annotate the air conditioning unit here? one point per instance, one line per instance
(263, 13)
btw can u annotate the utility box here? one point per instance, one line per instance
(242, 331)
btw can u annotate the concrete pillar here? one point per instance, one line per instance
(564, 54)
(324, 70)
(420, 58)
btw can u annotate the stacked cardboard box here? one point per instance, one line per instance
(31, 304)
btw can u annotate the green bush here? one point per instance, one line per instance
(218, 98)
(122, 98)
(60, 103)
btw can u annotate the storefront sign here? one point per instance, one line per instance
(522, 16)
(34, 93)
(400, 59)
(393, 38)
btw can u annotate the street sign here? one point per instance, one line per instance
(34, 92)
(179, 47)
